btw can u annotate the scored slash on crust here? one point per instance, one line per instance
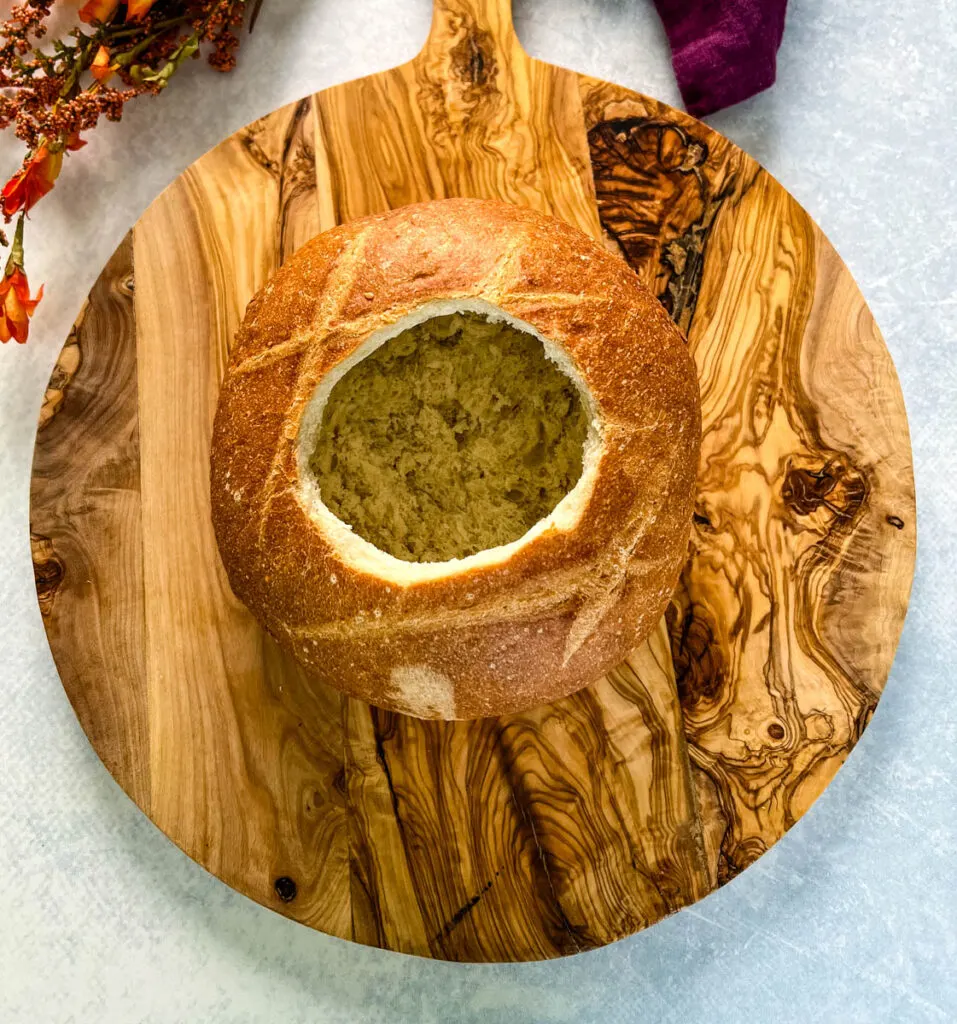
(302, 338)
(333, 302)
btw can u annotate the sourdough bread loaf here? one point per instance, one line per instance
(555, 416)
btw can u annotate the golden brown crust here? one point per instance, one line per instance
(561, 610)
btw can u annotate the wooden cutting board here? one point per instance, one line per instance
(571, 825)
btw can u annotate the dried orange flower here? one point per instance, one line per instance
(137, 9)
(32, 182)
(100, 68)
(16, 306)
(98, 10)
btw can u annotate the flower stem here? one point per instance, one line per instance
(16, 250)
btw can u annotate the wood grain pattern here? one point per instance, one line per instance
(562, 828)
(472, 115)
(86, 527)
(785, 623)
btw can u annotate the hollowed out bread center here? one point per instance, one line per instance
(455, 436)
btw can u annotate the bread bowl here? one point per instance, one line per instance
(549, 607)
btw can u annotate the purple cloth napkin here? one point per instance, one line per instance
(723, 51)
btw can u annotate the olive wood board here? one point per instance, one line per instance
(570, 825)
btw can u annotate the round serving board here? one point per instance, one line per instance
(571, 825)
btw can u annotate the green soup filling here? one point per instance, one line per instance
(457, 435)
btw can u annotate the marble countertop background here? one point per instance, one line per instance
(852, 917)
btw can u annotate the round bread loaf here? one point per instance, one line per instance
(346, 390)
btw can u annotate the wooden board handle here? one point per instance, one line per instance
(475, 30)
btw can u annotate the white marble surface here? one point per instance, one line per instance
(852, 917)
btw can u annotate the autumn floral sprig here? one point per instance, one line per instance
(52, 93)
